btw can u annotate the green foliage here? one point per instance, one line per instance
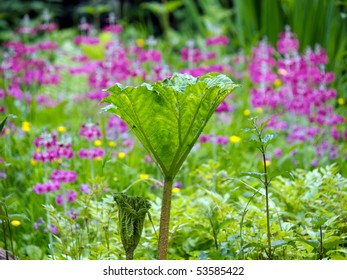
(2, 124)
(169, 116)
(132, 211)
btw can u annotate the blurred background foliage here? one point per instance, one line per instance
(321, 22)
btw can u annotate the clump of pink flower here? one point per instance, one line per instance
(293, 88)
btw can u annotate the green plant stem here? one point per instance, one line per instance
(266, 183)
(4, 233)
(321, 243)
(10, 231)
(165, 220)
(129, 255)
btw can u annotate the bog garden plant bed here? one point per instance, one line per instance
(123, 147)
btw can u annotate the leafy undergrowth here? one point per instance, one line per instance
(218, 217)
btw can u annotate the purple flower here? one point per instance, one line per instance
(288, 42)
(73, 214)
(314, 162)
(97, 153)
(84, 188)
(218, 40)
(178, 185)
(222, 140)
(63, 176)
(335, 134)
(114, 28)
(71, 196)
(59, 200)
(205, 138)
(278, 153)
(54, 229)
(90, 131)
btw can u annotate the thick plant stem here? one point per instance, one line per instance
(165, 220)
(129, 255)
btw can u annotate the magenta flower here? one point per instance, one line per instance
(86, 40)
(218, 40)
(115, 127)
(278, 153)
(90, 131)
(91, 154)
(114, 28)
(222, 140)
(63, 176)
(59, 200)
(205, 138)
(50, 186)
(47, 45)
(288, 43)
(97, 95)
(71, 196)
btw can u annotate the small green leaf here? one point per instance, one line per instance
(278, 172)
(18, 216)
(2, 124)
(34, 252)
(263, 125)
(253, 245)
(257, 175)
(268, 138)
(278, 243)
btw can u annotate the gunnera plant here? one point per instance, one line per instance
(168, 117)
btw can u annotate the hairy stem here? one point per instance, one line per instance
(165, 220)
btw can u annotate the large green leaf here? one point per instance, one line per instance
(169, 116)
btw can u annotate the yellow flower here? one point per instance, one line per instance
(144, 176)
(340, 101)
(277, 82)
(38, 150)
(176, 190)
(33, 162)
(267, 163)
(246, 112)
(140, 42)
(15, 223)
(121, 155)
(97, 158)
(61, 129)
(234, 139)
(7, 131)
(259, 110)
(26, 126)
(112, 144)
(97, 143)
(115, 178)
